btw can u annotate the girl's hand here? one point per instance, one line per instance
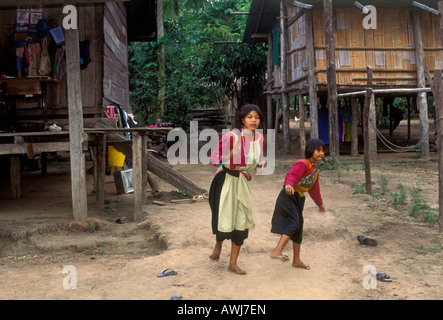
(260, 167)
(289, 189)
(321, 208)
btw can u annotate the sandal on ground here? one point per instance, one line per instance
(367, 241)
(167, 272)
(383, 277)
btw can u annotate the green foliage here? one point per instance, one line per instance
(199, 73)
(328, 163)
(420, 209)
(399, 198)
(383, 180)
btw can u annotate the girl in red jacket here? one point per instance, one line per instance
(287, 219)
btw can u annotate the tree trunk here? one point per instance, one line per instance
(161, 64)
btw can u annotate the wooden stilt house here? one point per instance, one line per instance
(322, 48)
(86, 43)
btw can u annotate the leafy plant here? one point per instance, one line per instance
(399, 198)
(419, 207)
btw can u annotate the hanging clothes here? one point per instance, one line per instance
(60, 64)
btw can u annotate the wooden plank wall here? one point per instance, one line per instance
(115, 64)
(388, 49)
(90, 28)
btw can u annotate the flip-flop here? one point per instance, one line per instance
(176, 298)
(282, 258)
(383, 277)
(367, 241)
(167, 272)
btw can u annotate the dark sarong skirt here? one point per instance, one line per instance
(237, 236)
(288, 216)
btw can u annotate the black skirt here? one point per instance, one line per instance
(237, 236)
(288, 216)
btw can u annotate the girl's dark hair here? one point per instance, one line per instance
(245, 109)
(312, 145)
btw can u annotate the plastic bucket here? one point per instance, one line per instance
(115, 157)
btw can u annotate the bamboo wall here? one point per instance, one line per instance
(389, 49)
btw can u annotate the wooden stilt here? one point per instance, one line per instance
(301, 123)
(367, 155)
(331, 78)
(312, 79)
(354, 127)
(76, 135)
(284, 79)
(101, 168)
(421, 97)
(269, 118)
(14, 168)
(139, 158)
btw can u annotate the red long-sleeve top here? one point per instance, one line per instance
(296, 173)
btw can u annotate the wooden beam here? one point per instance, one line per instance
(37, 147)
(17, 3)
(78, 172)
(300, 4)
(331, 77)
(425, 7)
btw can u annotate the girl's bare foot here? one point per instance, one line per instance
(236, 269)
(215, 256)
(300, 264)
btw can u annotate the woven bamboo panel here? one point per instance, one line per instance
(389, 49)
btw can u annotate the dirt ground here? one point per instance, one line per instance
(39, 238)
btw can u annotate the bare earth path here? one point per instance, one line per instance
(121, 261)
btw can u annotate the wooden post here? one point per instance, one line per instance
(139, 164)
(439, 113)
(269, 95)
(409, 118)
(366, 108)
(14, 169)
(439, 107)
(437, 91)
(284, 79)
(371, 128)
(101, 168)
(76, 138)
(421, 83)
(301, 123)
(331, 78)
(354, 127)
(312, 79)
